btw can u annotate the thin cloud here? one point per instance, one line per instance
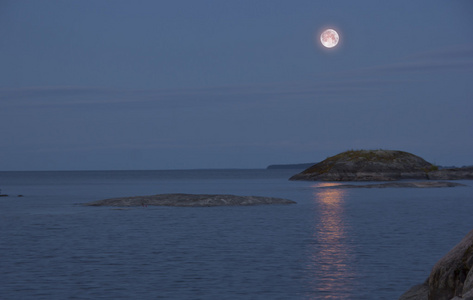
(426, 66)
(463, 51)
(412, 67)
(48, 91)
(452, 59)
(85, 96)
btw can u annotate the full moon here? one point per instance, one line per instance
(329, 38)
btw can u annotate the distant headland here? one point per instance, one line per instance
(379, 165)
(302, 166)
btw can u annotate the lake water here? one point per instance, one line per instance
(333, 244)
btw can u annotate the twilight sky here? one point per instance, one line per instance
(182, 84)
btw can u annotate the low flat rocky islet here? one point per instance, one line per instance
(189, 200)
(399, 184)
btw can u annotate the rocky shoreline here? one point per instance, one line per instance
(189, 200)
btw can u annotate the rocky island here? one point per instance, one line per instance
(379, 165)
(189, 200)
(451, 278)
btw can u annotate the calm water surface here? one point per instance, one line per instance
(333, 244)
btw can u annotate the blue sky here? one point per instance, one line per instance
(88, 85)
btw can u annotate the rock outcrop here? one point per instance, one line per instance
(379, 165)
(451, 278)
(190, 200)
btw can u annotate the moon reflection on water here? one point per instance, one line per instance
(331, 257)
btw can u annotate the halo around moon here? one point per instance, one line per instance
(329, 38)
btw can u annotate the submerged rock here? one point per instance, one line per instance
(451, 278)
(189, 200)
(379, 165)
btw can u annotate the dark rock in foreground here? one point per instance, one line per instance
(191, 200)
(451, 277)
(417, 292)
(410, 184)
(379, 165)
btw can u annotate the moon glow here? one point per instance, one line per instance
(329, 38)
